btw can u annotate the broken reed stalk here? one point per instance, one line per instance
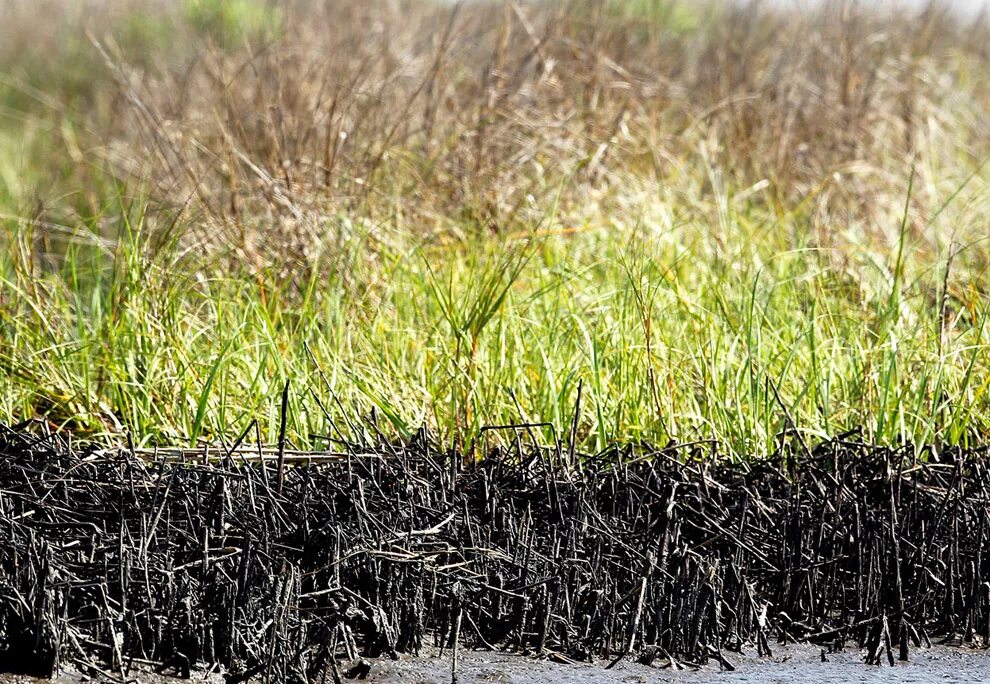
(455, 636)
(180, 561)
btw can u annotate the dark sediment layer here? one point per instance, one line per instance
(282, 568)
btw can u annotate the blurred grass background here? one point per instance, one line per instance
(716, 219)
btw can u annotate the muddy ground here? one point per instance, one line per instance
(793, 665)
(800, 664)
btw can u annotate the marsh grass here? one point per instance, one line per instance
(715, 220)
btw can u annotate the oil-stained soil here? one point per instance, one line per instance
(286, 567)
(800, 664)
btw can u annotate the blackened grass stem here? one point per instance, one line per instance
(281, 436)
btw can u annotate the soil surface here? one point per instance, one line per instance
(134, 677)
(793, 665)
(799, 664)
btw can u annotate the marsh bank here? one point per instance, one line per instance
(287, 566)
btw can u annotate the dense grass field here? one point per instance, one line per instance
(710, 221)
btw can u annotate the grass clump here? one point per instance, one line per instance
(717, 222)
(231, 21)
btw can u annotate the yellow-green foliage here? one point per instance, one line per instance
(229, 22)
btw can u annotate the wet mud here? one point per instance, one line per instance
(799, 664)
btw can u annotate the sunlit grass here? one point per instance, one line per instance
(674, 332)
(683, 293)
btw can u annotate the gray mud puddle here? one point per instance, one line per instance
(791, 665)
